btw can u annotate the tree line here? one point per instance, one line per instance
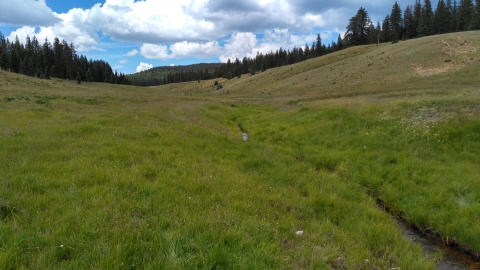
(236, 68)
(417, 20)
(59, 59)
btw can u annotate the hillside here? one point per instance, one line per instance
(113, 176)
(371, 70)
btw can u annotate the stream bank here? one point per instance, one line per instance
(453, 256)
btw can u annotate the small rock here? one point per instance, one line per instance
(299, 233)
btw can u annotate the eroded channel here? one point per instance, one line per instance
(451, 259)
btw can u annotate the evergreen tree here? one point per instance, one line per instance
(306, 51)
(454, 17)
(417, 14)
(465, 12)
(409, 23)
(449, 19)
(89, 76)
(386, 36)
(79, 78)
(427, 20)
(48, 56)
(339, 42)
(3, 60)
(442, 18)
(14, 60)
(475, 23)
(60, 70)
(396, 23)
(372, 34)
(46, 75)
(318, 48)
(358, 28)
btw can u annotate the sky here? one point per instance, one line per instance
(135, 35)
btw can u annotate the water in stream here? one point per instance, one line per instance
(452, 259)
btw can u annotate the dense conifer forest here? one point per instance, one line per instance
(59, 60)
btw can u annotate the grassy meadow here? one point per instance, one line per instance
(98, 176)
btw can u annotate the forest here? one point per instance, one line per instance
(59, 60)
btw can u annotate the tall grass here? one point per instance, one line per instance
(106, 176)
(148, 185)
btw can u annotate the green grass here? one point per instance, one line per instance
(106, 176)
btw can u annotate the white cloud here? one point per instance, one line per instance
(152, 51)
(181, 50)
(123, 61)
(313, 20)
(143, 67)
(22, 34)
(239, 45)
(26, 12)
(132, 53)
(195, 49)
(301, 40)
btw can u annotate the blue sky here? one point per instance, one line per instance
(135, 35)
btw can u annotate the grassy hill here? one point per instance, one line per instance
(108, 176)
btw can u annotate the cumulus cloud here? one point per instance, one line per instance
(27, 12)
(143, 67)
(239, 45)
(152, 51)
(181, 50)
(154, 22)
(195, 49)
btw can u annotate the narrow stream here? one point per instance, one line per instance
(452, 258)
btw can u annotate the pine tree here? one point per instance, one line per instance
(449, 19)
(358, 28)
(465, 12)
(306, 51)
(442, 18)
(3, 60)
(47, 55)
(475, 23)
(89, 76)
(59, 63)
(372, 34)
(386, 36)
(46, 75)
(426, 24)
(339, 42)
(396, 23)
(408, 23)
(417, 14)
(318, 48)
(79, 78)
